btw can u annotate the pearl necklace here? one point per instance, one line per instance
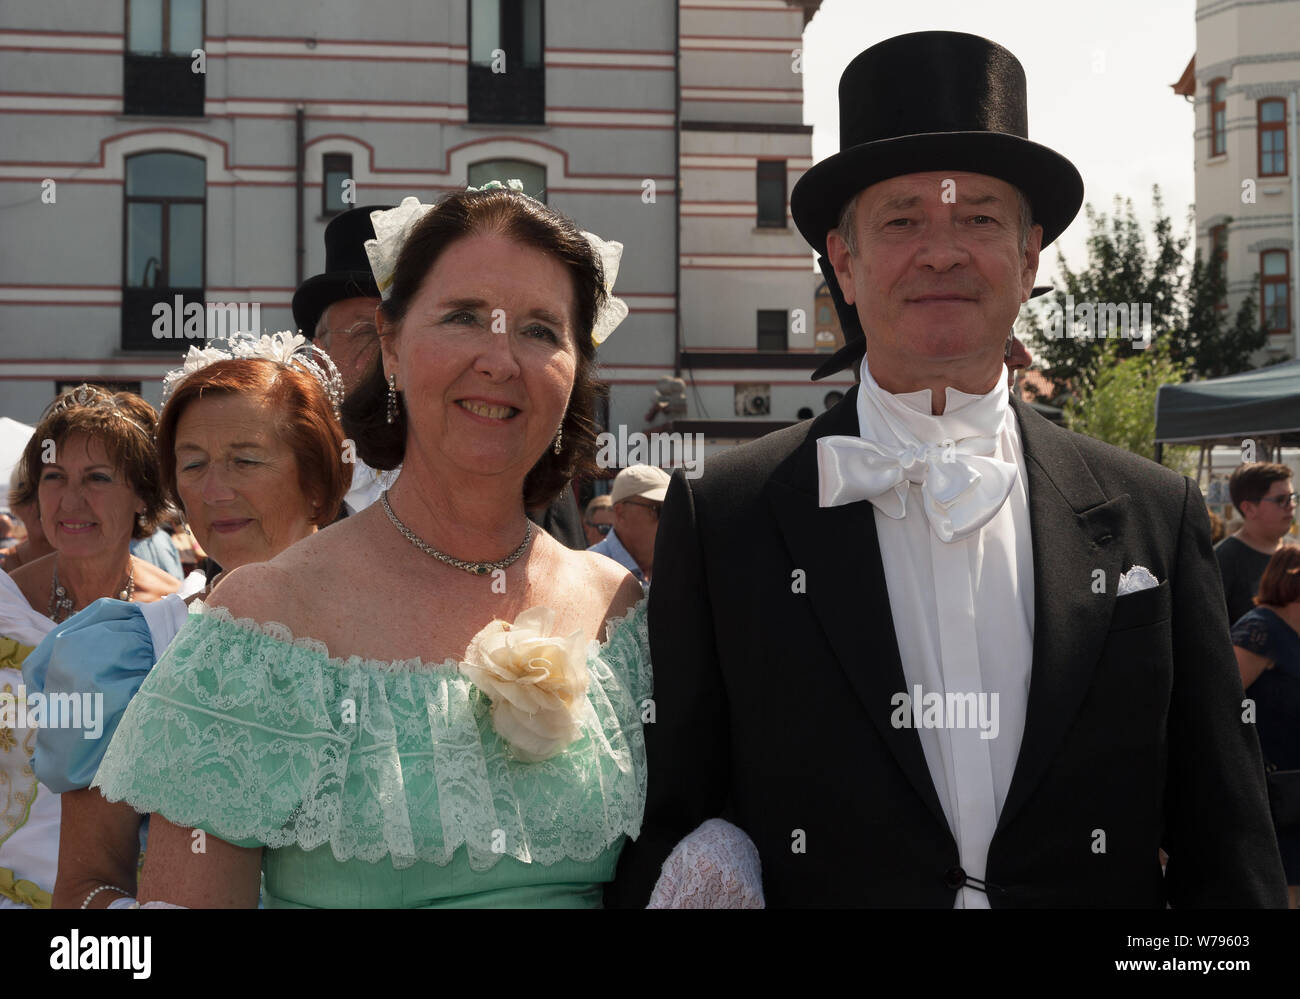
(61, 599)
(476, 568)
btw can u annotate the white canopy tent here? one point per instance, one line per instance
(13, 438)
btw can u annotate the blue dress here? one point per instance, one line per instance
(107, 649)
(1277, 705)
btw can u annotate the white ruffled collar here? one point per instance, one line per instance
(888, 416)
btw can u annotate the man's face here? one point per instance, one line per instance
(1273, 514)
(349, 337)
(938, 276)
(636, 519)
(600, 517)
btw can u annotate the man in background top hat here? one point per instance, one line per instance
(929, 649)
(336, 309)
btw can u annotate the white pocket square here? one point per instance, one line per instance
(1137, 578)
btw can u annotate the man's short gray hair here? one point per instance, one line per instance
(322, 324)
(848, 224)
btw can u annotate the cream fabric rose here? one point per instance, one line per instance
(537, 682)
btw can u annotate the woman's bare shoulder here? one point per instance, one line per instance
(33, 576)
(155, 582)
(292, 587)
(262, 591)
(611, 584)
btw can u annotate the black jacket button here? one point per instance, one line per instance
(955, 877)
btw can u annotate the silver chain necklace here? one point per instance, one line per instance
(61, 599)
(476, 568)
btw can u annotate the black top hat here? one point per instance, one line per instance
(347, 268)
(935, 100)
(930, 100)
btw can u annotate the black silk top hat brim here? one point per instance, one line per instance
(347, 268)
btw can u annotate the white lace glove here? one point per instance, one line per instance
(715, 867)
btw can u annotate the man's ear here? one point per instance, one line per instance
(1029, 268)
(837, 252)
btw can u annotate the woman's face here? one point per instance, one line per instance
(486, 356)
(87, 505)
(239, 481)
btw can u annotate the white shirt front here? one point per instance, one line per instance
(964, 617)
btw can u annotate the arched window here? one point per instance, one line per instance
(1273, 297)
(1218, 119)
(164, 227)
(1272, 137)
(533, 175)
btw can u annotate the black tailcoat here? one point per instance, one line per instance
(773, 696)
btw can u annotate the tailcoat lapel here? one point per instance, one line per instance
(837, 547)
(1075, 531)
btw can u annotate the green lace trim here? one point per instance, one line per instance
(262, 738)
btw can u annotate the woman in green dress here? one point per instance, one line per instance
(431, 703)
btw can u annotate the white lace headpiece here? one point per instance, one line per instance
(394, 226)
(293, 350)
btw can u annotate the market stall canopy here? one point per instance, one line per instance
(1264, 402)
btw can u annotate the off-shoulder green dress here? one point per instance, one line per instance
(382, 784)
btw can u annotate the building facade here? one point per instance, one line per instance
(1243, 81)
(167, 169)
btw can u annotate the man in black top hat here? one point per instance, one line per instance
(929, 649)
(336, 309)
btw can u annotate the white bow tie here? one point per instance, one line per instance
(963, 485)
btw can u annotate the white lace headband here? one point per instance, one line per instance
(290, 349)
(394, 226)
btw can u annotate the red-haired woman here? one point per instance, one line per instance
(251, 448)
(1267, 643)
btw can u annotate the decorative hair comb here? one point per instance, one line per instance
(287, 348)
(394, 226)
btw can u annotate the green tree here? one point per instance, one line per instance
(1120, 269)
(1118, 404)
(1186, 304)
(1205, 344)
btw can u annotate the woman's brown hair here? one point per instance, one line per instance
(121, 421)
(1280, 584)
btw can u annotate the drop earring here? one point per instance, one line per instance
(559, 438)
(392, 398)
